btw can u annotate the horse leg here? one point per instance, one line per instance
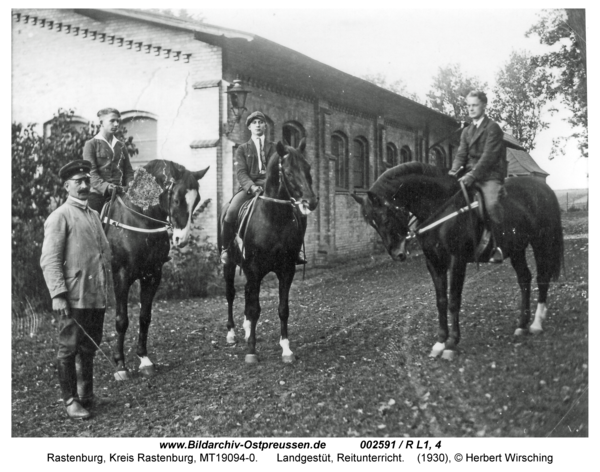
(252, 312)
(121, 285)
(543, 280)
(148, 287)
(440, 282)
(519, 263)
(285, 282)
(458, 270)
(229, 275)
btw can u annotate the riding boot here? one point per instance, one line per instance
(67, 378)
(227, 235)
(300, 260)
(497, 236)
(85, 379)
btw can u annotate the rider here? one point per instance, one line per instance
(109, 160)
(483, 155)
(251, 160)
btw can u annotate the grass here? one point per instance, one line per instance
(362, 334)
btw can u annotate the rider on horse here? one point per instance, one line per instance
(483, 154)
(109, 159)
(251, 160)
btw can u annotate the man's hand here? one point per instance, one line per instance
(467, 179)
(256, 189)
(60, 306)
(452, 173)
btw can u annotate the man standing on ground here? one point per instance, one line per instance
(76, 265)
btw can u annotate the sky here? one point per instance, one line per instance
(410, 45)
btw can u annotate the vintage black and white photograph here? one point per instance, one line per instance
(322, 222)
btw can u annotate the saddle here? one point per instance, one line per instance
(241, 223)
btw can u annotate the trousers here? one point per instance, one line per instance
(73, 341)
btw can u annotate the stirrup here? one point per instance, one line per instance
(497, 256)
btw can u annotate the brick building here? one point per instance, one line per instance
(169, 78)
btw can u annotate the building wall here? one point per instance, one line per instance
(55, 69)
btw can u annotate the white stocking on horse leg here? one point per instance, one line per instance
(247, 328)
(231, 336)
(287, 355)
(540, 317)
(437, 349)
(146, 366)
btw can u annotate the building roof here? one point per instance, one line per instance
(520, 162)
(251, 56)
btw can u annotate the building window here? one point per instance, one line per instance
(360, 163)
(405, 154)
(76, 122)
(293, 133)
(142, 126)
(339, 150)
(436, 157)
(391, 154)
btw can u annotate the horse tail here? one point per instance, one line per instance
(554, 238)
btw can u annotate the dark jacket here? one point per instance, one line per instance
(108, 167)
(76, 256)
(247, 164)
(482, 151)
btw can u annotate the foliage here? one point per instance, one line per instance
(450, 89)
(566, 63)
(182, 14)
(520, 98)
(398, 86)
(36, 191)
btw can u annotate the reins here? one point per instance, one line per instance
(117, 224)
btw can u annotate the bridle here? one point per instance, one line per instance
(292, 201)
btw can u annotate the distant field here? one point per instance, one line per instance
(577, 198)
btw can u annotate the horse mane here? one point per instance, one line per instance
(388, 182)
(164, 170)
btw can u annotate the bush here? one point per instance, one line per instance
(194, 271)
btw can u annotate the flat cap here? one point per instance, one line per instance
(256, 114)
(75, 168)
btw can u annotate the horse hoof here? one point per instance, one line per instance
(449, 355)
(533, 330)
(122, 375)
(251, 359)
(148, 371)
(520, 332)
(288, 359)
(231, 341)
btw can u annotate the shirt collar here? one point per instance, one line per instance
(478, 122)
(114, 140)
(83, 204)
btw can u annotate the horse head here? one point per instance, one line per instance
(389, 220)
(180, 196)
(289, 177)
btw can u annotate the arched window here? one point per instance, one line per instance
(143, 127)
(405, 154)
(76, 122)
(436, 157)
(391, 154)
(360, 163)
(293, 132)
(339, 150)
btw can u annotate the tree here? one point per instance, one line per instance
(398, 86)
(450, 89)
(520, 98)
(182, 14)
(567, 64)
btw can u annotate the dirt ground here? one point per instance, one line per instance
(361, 333)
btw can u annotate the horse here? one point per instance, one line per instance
(532, 217)
(140, 245)
(271, 242)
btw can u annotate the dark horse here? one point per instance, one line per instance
(272, 240)
(140, 246)
(532, 216)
